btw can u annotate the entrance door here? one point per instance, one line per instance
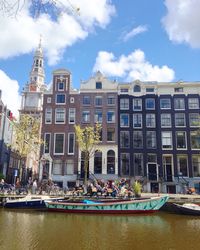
(167, 162)
(152, 171)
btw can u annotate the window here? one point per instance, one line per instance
(150, 120)
(111, 162)
(193, 103)
(47, 141)
(72, 115)
(194, 119)
(137, 88)
(60, 86)
(180, 120)
(166, 120)
(150, 103)
(152, 158)
(182, 165)
(86, 116)
(137, 139)
(124, 103)
(71, 99)
(57, 167)
(165, 103)
(111, 100)
(86, 100)
(60, 115)
(124, 90)
(137, 120)
(179, 103)
(98, 101)
(69, 167)
(110, 116)
(71, 143)
(48, 115)
(98, 162)
(137, 104)
(138, 164)
(179, 89)
(195, 140)
(125, 163)
(196, 165)
(110, 134)
(48, 99)
(181, 140)
(59, 144)
(150, 90)
(124, 120)
(98, 85)
(60, 99)
(166, 140)
(98, 116)
(151, 139)
(124, 139)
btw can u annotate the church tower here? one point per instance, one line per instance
(32, 94)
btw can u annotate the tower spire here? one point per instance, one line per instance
(37, 72)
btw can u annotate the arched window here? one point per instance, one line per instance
(137, 88)
(98, 162)
(36, 63)
(111, 162)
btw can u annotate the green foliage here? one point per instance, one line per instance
(137, 188)
(87, 139)
(27, 135)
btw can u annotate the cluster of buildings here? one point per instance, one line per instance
(150, 130)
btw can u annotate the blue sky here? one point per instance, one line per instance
(125, 39)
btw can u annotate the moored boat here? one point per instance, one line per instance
(131, 206)
(29, 201)
(186, 209)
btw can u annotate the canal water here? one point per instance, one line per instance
(26, 230)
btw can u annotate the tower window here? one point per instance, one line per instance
(60, 85)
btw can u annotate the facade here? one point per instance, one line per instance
(159, 140)
(98, 104)
(59, 154)
(32, 104)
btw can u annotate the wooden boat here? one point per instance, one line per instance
(29, 201)
(186, 209)
(131, 206)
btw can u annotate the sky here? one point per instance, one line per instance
(127, 40)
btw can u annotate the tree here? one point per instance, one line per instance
(37, 7)
(26, 136)
(87, 139)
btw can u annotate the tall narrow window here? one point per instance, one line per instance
(138, 164)
(98, 162)
(124, 103)
(47, 138)
(151, 139)
(181, 140)
(125, 163)
(111, 162)
(71, 143)
(72, 115)
(59, 144)
(48, 115)
(166, 140)
(182, 165)
(137, 120)
(124, 139)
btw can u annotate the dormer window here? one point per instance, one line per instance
(60, 85)
(137, 88)
(98, 85)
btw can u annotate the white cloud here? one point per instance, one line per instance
(21, 35)
(132, 67)
(10, 92)
(182, 21)
(135, 31)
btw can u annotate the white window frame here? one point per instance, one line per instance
(50, 115)
(167, 139)
(45, 135)
(72, 116)
(152, 118)
(164, 119)
(139, 118)
(191, 105)
(55, 134)
(185, 136)
(138, 100)
(60, 103)
(56, 110)
(164, 99)
(148, 99)
(71, 153)
(180, 126)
